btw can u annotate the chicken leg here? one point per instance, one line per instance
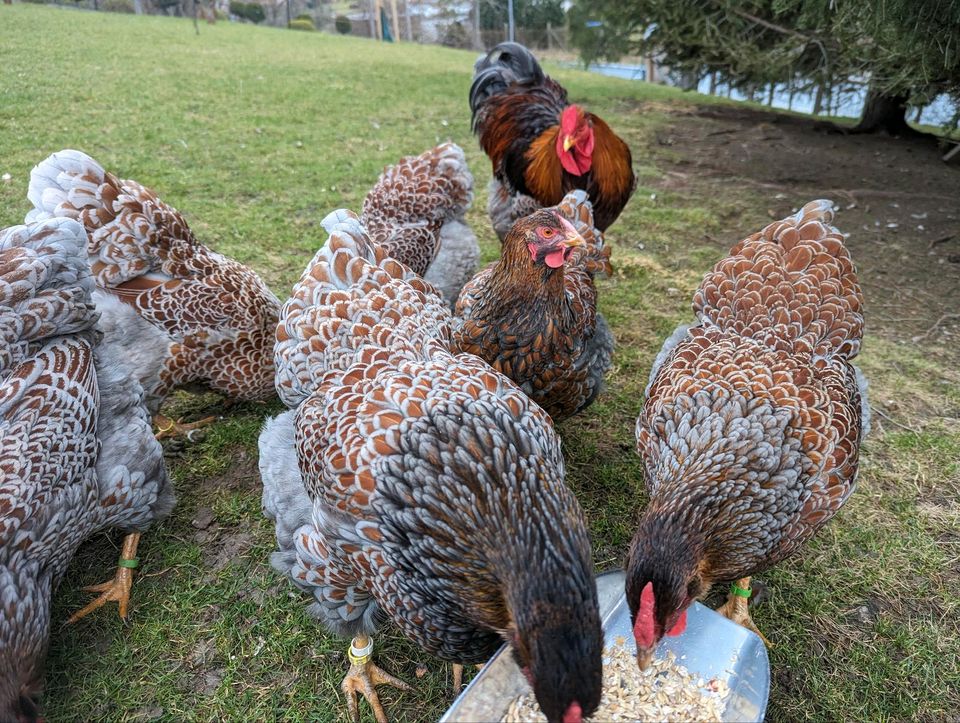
(737, 609)
(458, 676)
(364, 676)
(117, 589)
(166, 427)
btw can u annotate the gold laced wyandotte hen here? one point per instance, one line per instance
(417, 485)
(532, 314)
(752, 425)
(179, 312)
(416, 212)
(542, 146)
(76, 452)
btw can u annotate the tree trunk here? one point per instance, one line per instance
(884, 113)
(713, 83)
(770, 92)
(818, 99)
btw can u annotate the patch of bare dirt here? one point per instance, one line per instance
(243, 473)
(899, 203)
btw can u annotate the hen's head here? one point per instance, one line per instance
(659, 590)
(561, 658)
(575, 141)
(548, 236)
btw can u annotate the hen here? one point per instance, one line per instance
(753, 422)
(421, 486)
(179, 312)
(532, 314)
(541, 146)
(75, 443)
(416, 213)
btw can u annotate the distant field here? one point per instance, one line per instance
(255, 134)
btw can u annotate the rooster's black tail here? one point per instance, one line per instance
(506, 64)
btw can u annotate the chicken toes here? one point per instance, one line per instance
(117, 589)
(166, 427)
(364, 677)
(737, 607)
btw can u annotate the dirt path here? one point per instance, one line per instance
(899, 205)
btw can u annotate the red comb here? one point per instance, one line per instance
(574, 713)
(643, 628)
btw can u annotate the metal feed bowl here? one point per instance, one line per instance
(710, 647)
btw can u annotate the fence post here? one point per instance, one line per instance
(510, 35)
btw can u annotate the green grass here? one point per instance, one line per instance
(255, 135)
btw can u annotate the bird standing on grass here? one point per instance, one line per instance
(76, 452)
(542, 146)
(414, 484)
(532, 314)
(752, 424)
(178, 312)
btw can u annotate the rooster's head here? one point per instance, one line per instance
(548, 236)
(575, 141)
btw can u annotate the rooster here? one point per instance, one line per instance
(753, 422)
(541, 146)
(178, 311)
(418, 485)
(416, 214)
(75, 443)
(533, 315)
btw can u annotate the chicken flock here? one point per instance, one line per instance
(417, 476)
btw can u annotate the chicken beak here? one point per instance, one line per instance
(644, 658)
(568, 143)
(571, 237)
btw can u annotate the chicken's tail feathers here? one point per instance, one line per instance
(45, 285)
(577, 209)
(411, 201)
(353, 303)
(67, 184)
(793, 284)
(507, 63)
(451, 164)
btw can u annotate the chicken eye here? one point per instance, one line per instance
(546, 232)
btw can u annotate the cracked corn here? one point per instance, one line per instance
(665, 691)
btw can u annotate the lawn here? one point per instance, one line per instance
(255, 134)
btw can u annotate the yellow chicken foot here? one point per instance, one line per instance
(166, 427)
(117, 589)
(364, 677)
(737, 608)
(458, 676)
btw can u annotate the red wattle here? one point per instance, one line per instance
(643, 629)
(679, 626)
(555, 259)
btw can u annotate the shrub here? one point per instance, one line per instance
(304, 16)
(300, 24)
(455, 36)
(343, 25)
(117, 6)
(248, 11)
